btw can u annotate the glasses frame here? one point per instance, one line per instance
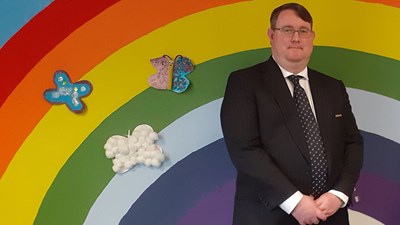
(292, 31)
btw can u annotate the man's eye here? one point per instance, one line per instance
(287, 30)
(303, 31)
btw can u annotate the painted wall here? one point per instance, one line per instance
(52, 165)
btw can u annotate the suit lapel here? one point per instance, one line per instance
(275, 82)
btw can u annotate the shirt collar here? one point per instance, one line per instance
(303, 73)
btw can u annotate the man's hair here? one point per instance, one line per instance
(300, 10)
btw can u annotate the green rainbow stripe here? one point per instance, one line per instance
(88, 171)
(360, 70)
(79, 183)
(112, 26)
(122, 75)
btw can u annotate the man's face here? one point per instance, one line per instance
(291, 49)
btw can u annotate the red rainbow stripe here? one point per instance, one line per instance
(126, 21)
(40, 35)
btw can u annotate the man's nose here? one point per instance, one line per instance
(296, 37)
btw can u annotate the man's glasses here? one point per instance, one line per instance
(289, 31)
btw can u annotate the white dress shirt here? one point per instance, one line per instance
(289, 204)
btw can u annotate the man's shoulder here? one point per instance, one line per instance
(255, 69)
(252, 68)
(249, 76)
(317, 75)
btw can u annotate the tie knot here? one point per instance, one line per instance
(295, 79)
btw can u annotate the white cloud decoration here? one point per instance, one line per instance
(137, 148)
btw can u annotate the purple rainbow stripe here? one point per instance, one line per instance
(198, 189)
(378, 198)
(215, 209)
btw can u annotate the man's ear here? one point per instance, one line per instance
(270, 34)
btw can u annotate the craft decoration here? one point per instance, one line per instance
(137, 148)
(68, 93)
(171, 74)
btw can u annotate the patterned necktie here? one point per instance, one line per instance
(314, 141)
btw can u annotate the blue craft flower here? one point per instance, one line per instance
(68, 93)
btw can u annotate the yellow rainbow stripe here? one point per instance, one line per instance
(201, 36)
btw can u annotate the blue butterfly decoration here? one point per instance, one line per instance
(171, 74)
(182, 67)
(68, 93)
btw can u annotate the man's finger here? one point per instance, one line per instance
(314, 221)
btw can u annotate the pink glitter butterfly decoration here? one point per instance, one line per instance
(171, 74)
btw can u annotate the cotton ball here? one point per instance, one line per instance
(132, 141)
(143, 133)
(111, 146)
(130, 163)
(122, 142)
(124, 159)
(110, 154)
(159, 156)
(133, 149)
(134, 155)
(155, 163)
(147, 142)
(141, 140)
(130, 146)
(135, 134)
(114, 149)
(124, 150)
(133, 161)
(153, 136)
(115, 168)
(113, 140)
(140, 159)
(116, 140)
(141, 150)
(152, 154)
(147, 162)
(151, 147)
(144, 145)
(117, 162)
(146, 154)
(117, 165)
(125, 164)
(118, 155)
(143, 127)
(108, 145)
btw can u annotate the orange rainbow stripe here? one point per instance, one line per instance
(395, 3)
(111, 30)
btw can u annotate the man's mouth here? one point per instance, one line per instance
(296, 48)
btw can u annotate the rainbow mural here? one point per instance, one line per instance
(53, 169)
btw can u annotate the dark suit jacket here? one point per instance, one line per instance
(268, 149)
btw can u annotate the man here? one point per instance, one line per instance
(273, 141)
